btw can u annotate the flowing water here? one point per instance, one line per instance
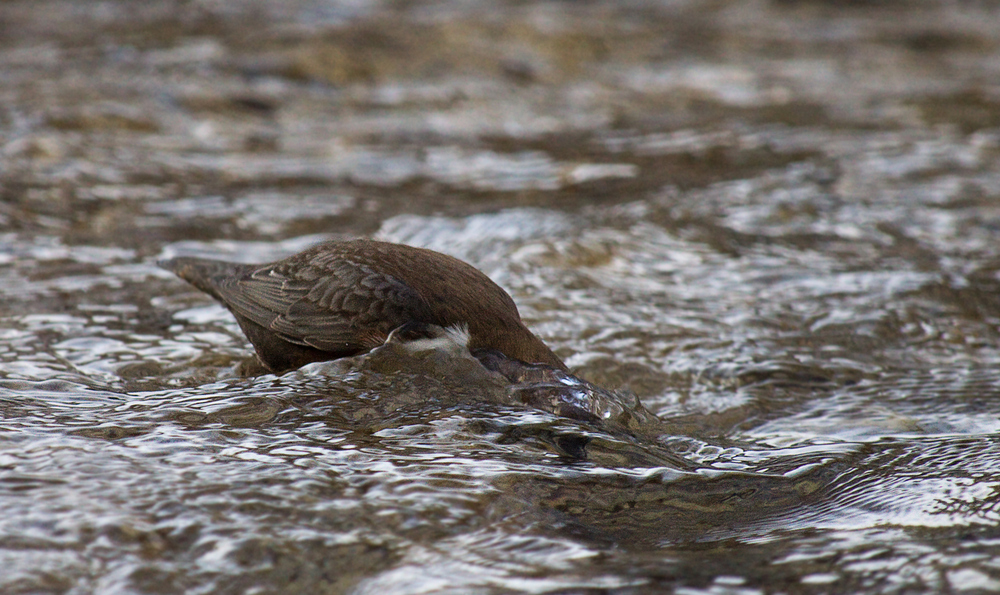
(765, 235)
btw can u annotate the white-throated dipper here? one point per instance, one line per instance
(340, 299)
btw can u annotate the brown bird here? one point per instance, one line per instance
(340, 299)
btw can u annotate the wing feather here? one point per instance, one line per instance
(349, 308)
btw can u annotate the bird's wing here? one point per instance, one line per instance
(338, 307)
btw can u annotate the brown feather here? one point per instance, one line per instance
(342, 298)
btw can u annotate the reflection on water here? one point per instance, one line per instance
(763, 235)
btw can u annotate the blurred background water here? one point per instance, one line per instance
(775, 223)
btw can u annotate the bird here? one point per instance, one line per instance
(344, 298)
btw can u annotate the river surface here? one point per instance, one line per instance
(765, 236)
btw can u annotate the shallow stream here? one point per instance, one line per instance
(775, 224)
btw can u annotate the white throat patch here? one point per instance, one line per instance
(454, 337)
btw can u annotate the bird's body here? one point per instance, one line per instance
(340, 299)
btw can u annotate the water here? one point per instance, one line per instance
(764, 236)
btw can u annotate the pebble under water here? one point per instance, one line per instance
(764, 236)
